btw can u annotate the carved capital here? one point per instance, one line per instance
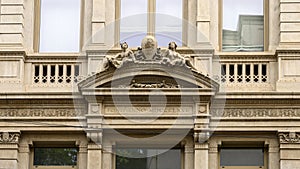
(201, 137)
(95, 136)
(9, 137)
(289, 138)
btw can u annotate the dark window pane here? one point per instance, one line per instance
(55, 156)
(242, 157)
(148, 159)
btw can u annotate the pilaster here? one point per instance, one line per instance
(9, 145)
(201, 156)
(289, 23)
(203, 21)
(289, 150)
(94, 156)
(188, 160)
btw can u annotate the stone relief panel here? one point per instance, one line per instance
(9, 137)
(226, 113)
(40, 113)
(289, 138)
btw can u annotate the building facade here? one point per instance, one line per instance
(218, 97)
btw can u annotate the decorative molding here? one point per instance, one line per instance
(163, 84)
(40, 112)
(255, 113)
(94, 135)
(201, 137)
(289, 138)
(9, 137)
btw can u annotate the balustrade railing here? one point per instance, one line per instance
(55, 74)
(247, 72)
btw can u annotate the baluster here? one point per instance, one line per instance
(243, 73)
(251, 73)
(235, 73)
(72, 73)
(41, 74)
(260, 73)
(64, 73)
(227, 73)
(48, 73)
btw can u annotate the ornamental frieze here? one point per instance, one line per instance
(289, 138)
(256, 113)
(9, 137)
(40, 113)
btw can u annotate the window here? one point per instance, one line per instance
(161, 18)
(244, 25)
(59, 26)
(242, 158)
(148, 159)
(52, 156)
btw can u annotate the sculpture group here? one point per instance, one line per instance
(148, 52)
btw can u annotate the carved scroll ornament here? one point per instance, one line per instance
(9, 137)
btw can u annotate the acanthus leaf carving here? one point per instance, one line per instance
(9, 137)
(40, 112)
(289, 138)
(226, 113)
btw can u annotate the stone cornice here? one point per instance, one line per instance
(247, 56)
(12, 53)
(181, 50)
(258, 95)
(55, 56)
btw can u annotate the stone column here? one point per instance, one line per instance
(289, 23)
(203, 21)
(188, 155)
(24, 156)
(9, 145)
(273, 157)
(94, 156)
(288, 50)
(94, 134)
(201, 156)
(289, 150)
(82, 156)
(213, 156)
(107, 157)
(98, 21)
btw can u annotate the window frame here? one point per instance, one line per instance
(123, 146)
(52, 145)
(151, 14)
(37, 27)
(266, 27)
(241, 145)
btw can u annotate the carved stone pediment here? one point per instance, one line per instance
(148, 68)
(148, 75)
